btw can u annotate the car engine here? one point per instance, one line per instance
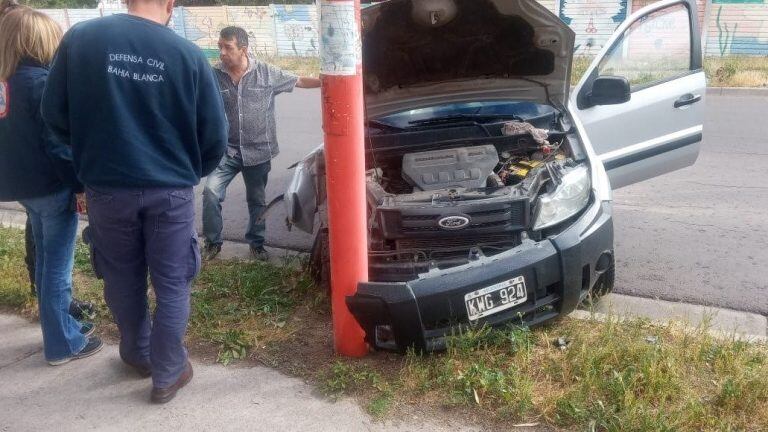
(463, 167)
(445, 207)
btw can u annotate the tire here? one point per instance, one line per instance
(605, 283)
(320, 261)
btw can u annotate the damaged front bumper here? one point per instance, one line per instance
(559, 271)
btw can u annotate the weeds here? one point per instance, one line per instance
(609, 376)
(342, 378)
(234, 345)
(729, 71)
(14, 282)
(236, 305)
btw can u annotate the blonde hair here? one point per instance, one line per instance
(26, 33)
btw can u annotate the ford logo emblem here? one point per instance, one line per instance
(453, 222)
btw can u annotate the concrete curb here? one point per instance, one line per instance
(725, 322)
(738, 91)
(721, 322)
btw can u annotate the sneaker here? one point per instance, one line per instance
(87, 329)
(93, 346)
(210, 251)
(259, 253)
(81, 310)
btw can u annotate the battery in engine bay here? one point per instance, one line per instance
(521, 168)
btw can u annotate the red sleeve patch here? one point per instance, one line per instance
(4, 99)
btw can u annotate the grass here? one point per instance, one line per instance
(237, 306)
(240, 305)
(605, 375)
(731, 71)
(737, 71)
(302, 66)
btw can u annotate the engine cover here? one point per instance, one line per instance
(465, 167)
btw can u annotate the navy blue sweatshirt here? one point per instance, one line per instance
(138, 104)
(31, 164)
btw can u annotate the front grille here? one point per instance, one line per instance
(456, 242)
(415, 255)
(486, 217)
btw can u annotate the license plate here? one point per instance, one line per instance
(496, 298)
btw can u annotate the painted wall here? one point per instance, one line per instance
(738, 27)
(700, 4)
(732, 27)
(259, 23)
(296, 30)
(550, 4)
(594, 21)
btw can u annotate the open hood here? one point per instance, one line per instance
(418, 53)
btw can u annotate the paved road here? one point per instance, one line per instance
(698, 235)
(701, 234)
(299, 131)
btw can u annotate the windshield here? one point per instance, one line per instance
(524, 110)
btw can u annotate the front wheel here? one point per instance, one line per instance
(605, 283)
(320, 261)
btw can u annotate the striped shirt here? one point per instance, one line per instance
(250, 109)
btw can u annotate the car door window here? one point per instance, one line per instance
(652, 50)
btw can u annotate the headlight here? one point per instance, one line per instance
(571, 195)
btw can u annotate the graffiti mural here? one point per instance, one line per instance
(202, 25)
(738, 27)
(594, 21)
(733, 27)
(296, 30)
(258, 22)
(177, 21)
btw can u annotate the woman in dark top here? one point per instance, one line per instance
(78, 309)
(37, 171)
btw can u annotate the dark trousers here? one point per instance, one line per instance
(140, 232)
(255, 179)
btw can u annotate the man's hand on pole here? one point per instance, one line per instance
(308, 82)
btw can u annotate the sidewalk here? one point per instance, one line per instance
(100, 393)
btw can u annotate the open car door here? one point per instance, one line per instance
(641, 101)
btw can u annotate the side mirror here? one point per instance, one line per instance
(610, 90)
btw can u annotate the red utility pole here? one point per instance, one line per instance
(342, 98)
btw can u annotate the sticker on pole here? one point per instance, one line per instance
(340, 51)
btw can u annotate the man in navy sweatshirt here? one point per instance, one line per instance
(142, 111)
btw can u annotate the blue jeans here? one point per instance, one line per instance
(255, 178)
(140, 232)
(54, 225)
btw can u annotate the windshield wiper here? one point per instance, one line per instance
(457, 118)
(384, 126)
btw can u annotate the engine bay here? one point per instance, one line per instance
(451, 204)
(520, 161)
